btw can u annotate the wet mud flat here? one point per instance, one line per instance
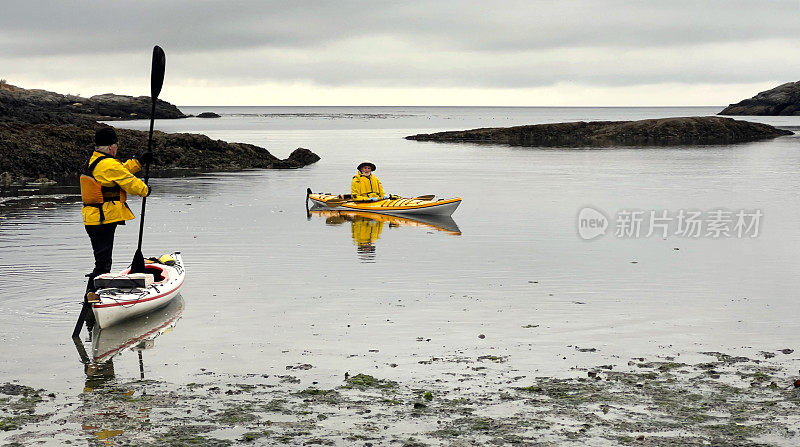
(722, 400)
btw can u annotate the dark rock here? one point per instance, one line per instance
(208, 115)
(129, 107)
(781, 100)
(41, 106)
(30, 151)
(46, 135)
(303, 157)
(654, 132)
(12, 389)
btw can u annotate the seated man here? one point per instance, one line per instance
(365, 185)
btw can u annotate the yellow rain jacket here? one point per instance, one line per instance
(117, 180)
(364, 187)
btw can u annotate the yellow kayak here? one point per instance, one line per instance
(439, 207)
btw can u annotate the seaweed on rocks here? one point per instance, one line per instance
(648, 402)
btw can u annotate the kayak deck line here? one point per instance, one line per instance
(129, 302)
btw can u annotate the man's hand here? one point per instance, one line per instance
(149, 191)
(145, 158)
(373, 199)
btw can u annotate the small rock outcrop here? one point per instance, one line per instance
(129, 107)
(781, 100)
(653, 132)
(208, 115)
(303, 157)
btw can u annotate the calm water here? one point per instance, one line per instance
(270, 286)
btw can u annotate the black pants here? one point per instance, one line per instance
(102, 237)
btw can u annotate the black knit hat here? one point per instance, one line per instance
(105, 136)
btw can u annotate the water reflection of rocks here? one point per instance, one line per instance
(136, 335)
(366, 228)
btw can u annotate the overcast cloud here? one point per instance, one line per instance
(349, 50)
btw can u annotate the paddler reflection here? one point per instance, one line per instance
(366, 228)
(365, 232)
(136, 335)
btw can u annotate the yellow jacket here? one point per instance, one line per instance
(110, 173)
(364, 187)
(365, 230)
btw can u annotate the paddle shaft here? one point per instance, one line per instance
(156, 82)
(147, 173)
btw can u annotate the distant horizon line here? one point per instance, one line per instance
(483, 107)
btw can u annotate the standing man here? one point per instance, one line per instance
(104, 190)
(365, 185)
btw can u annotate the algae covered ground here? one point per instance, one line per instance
(723, 400)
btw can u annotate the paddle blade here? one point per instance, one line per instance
(137, 266)
(85, 309)
(157, 73)
(426, 197)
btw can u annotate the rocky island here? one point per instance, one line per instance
(652, 132)
(781, 100)
(42, 106)
(46, 135)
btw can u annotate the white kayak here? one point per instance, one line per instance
(126, 295)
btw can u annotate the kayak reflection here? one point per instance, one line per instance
(366, 228)
(138, 334)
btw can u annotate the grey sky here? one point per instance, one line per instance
(353, 50)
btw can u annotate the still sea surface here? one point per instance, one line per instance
(269, 285)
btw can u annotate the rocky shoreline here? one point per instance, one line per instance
(47, 137)
(720, 400)
(653, 132)
(42, 106)
(31, 152)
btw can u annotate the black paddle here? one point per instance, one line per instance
(156, 82)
